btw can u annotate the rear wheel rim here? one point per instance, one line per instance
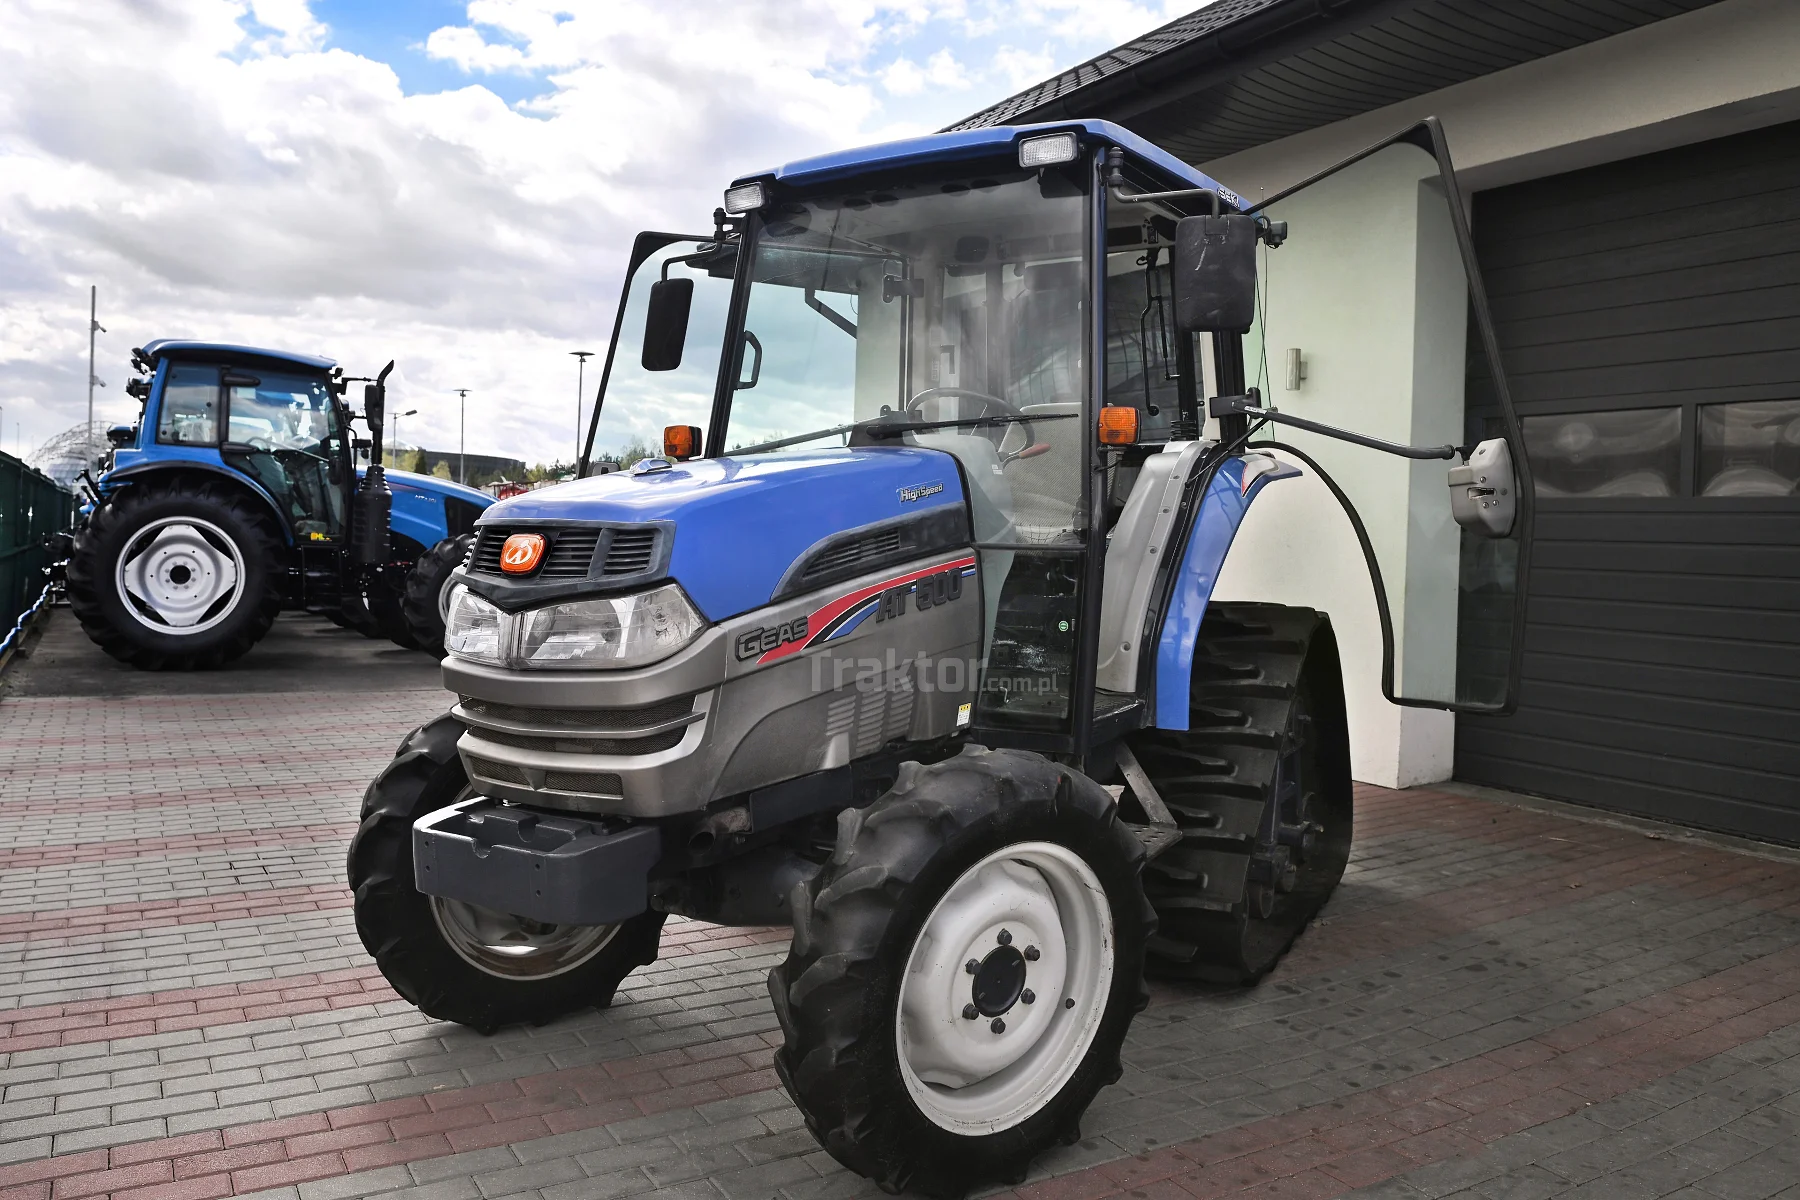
(1005, 988)
(181, 576)
(516, 948)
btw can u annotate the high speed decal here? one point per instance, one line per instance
(886, 600)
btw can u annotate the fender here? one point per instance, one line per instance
(1228, 495)
(158, 466)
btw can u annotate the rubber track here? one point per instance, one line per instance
(1218, 780)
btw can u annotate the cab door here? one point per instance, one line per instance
(1372, 319)
(672, 381)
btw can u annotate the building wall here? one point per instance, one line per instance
(1655, 87)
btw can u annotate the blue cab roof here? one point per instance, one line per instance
(960, 144)
(226, 352)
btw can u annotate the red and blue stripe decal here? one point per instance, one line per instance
(844, 614)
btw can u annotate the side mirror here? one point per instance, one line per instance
(374, 404)
(1484, 492)
(1215, 274)
(665, 325)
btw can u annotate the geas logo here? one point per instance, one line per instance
(522, 553)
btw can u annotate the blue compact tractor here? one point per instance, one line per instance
(236, 495)
(915, 636)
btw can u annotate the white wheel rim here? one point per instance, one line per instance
(513, 947)
(963, 1075)
(181, 576)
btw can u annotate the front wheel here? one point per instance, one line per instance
(963, 972)
(456, 961)
(428, 585)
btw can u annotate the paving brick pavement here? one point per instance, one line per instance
(1499, 1002)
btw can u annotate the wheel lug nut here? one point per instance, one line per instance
(1005, 938)
(998, 1026)
(1069, 1003)
(969, 1013)
(1028, 996)
(1031, 954)
(972, 967)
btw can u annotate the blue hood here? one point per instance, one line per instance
(741, 522)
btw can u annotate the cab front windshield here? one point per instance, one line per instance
(938, 300)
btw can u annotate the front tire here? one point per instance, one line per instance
(911, 1068)
(455, 961)
(176, 574)
(428, 587)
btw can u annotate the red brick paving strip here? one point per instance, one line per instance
(29, 858)
(288, 1150)
(1321, 1151)
(311, 790)
(103, 1020)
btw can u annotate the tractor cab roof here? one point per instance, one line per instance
(958, 145)
(224, 352)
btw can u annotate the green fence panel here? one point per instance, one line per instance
(32, 509)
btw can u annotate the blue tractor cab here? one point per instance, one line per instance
(905, 622)
(237, 494)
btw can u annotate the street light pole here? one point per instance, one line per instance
(581, 357)
(462, 439)
(409, 412)
(94, 327)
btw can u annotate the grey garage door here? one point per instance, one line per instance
(1649, 318)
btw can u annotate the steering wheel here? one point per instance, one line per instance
(263, 444)
(1021, 422)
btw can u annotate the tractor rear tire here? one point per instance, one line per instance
(454, 961)
(427, 585)
(964, 858)
(1260, 785)
(176, 574)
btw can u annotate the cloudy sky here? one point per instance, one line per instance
(452, 185)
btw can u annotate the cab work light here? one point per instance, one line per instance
(1048, 150)
(741, 198)
(1118, 425)
(681, 442)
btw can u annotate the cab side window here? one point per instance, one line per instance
(189, 414)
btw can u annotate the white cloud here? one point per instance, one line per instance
(221, 170)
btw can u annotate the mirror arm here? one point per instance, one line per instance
(1250, 405)
(1271, 233)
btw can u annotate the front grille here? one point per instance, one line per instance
(632, 551)
(852, 554)
(643, 745)
(591, 783)
(599, 719)
(487, 768)
(569, 553)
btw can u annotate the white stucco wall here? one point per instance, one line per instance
(1370, 288)
(1384, 335)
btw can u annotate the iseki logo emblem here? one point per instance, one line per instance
(522, 553)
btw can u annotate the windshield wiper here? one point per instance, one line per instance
(888, 427)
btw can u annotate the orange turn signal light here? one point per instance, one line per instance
(681, 442)
(1118, 425)
(521, 553)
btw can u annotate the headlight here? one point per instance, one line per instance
(615, 632)
(624, 631)
(472, 627)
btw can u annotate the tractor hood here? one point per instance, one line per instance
(740, 523)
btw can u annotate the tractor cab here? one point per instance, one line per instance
(1074, 316)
